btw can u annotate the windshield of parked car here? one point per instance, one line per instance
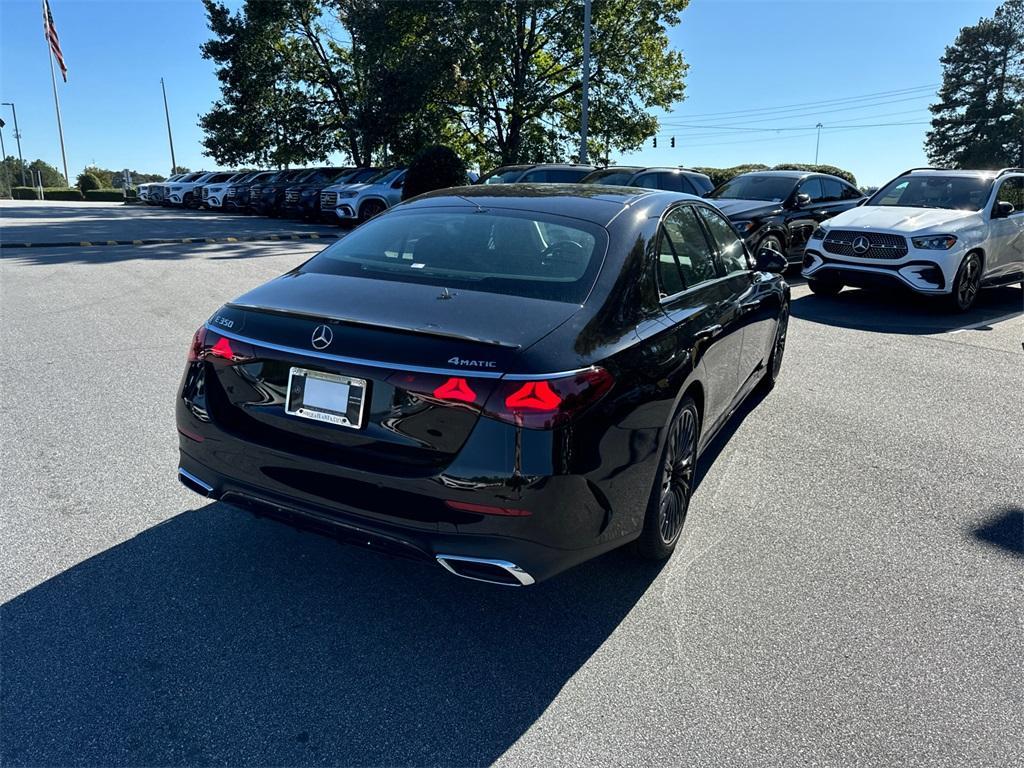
(386, 176)
(966, 193)
(611, 176)
(502, 176)
(752, 186)
(358, 176)
(514, 253)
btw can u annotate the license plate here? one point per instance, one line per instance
(326, 397)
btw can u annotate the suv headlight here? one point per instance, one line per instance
(934, 242)
(819, 233)
(743, 226)
(347, 194)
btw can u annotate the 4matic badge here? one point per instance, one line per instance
(472, 363)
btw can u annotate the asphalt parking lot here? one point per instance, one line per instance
(847, 592)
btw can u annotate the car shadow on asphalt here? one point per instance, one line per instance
(1004, 529)
(902, 312)
(219, 638)
(114, 254)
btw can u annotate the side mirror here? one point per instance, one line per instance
(771, 261)
(1002, 210)
(801, 200)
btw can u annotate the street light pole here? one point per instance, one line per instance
(585, 90)
(17, 138)
(817, 144)
(170, 138)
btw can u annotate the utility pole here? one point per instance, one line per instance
(167, 114)
(585, 91)
(817, 144)
(17, 138)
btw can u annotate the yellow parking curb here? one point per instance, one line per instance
(85, 243)
(136, 242)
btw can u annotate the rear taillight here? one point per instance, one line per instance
(540, 403)
(543, 403)
(207, 344)
(196, 348)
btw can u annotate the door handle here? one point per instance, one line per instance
(707, 333)
(750, 306)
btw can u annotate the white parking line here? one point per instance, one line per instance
(986, 323)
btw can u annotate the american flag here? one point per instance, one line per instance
(51, 37)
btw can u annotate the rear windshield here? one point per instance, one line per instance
(612, 177)
(509, 252)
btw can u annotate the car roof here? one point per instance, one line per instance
(785, 174)
(947, 172)
(591, 202)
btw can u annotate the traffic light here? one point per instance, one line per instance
(672, 142)
(654, 142)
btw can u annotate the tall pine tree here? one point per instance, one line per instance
(978, 121)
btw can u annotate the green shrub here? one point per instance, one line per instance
(105, 195)
(88, 181)
(433, 168)
(25, 193)
(49, 193)
(811, 168)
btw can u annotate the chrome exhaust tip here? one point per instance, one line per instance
(193, 483)
(482, 569)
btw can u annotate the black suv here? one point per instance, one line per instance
(779, 210)
(669, 179)
(302, 200)
(537, 173)
(266, 199)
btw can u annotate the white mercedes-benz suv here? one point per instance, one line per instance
(936, 232)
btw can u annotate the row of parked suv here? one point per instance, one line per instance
(936, 232)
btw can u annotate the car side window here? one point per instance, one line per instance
(685, 257)
(813, 188)
(731, 253)
(833, 190)
(851, 193)
(1012, 191)
(539, 176)
(671, 182)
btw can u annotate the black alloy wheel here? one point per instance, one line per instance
(778, 349)
(371, 208)
(967, 283)
(673, 485)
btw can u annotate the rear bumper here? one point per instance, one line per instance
(402, 515)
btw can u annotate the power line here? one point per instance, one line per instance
(804, 113)
(818, 102)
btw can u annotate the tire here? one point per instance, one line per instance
(673, 485)
(778, 349)
(186, 201)
(371, 208)
(772, 243)
(824, 287)
(966, 284)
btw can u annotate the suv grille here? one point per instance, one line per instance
(328, 199)
(291, 196)
(206, 192)
(880, 245)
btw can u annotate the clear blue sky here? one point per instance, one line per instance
(743, 55)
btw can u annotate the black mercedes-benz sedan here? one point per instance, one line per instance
(505, 380)
(778, 210)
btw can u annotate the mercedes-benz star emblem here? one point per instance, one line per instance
(322, 337)
(861, 244)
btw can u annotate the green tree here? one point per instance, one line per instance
(87, 181)
(519, 96)
(176, 169)
(103, 175)
(978, 121)
(51, 176)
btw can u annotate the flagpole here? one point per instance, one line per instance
(56, 103)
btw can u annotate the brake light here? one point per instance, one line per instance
(196, 347)
(534, 396)
(455, 389)
(222, 349)
(544, 403)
